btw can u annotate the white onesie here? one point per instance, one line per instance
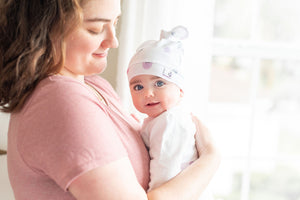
(171, 143)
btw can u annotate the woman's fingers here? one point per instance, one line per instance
(204, 140)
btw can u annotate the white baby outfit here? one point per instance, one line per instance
(171, 143)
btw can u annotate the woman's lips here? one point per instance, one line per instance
(100, 55)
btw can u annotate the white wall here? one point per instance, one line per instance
(5, 189)
(4, 119)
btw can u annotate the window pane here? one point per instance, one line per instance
(232, 19)
(277, 116)
(230, 79)
(279, 20)
(227, 183)
(230, 125)
(275, 181)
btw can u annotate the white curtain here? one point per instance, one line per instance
(4, 120)
(143, 20)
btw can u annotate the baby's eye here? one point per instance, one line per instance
(159, 83)
(138, 87)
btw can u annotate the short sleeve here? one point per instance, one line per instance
(68, 133)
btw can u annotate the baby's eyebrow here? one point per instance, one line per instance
(134, 82)
(155, 77)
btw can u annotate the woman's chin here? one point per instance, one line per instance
(97, 70)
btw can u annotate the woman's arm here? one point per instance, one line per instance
(114, 181)
(117, 181)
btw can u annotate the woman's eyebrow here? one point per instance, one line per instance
(99, 19)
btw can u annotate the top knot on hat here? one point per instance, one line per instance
(176, 34)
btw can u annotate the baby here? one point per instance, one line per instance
(157, 89)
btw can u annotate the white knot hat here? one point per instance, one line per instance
(162, 58)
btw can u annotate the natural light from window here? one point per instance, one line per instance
(254, 99)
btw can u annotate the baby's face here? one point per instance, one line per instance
(153, 95)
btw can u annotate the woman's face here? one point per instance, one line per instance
(87, 46)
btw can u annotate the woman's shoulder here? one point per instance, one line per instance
(99, 82)
(56, 91)
(60, 87)
(58, 82)
(97, 79)
(103, 85)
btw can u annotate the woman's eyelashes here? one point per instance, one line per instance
(95, 28)
(99, 29)
(95, 31)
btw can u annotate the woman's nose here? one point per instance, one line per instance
(110, 40)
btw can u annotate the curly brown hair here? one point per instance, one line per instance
(32, 45)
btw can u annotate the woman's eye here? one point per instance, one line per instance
(95, 29)
(94, 32)
(159, 83)
(138, 87)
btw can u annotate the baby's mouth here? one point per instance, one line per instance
(152, 104)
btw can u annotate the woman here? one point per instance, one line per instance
(68, 136)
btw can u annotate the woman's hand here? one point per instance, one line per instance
(204, 140)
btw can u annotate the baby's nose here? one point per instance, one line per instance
(149, 93)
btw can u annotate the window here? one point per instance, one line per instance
(254, 99)
(242, 69)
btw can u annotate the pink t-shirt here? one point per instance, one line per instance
(64, 131)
